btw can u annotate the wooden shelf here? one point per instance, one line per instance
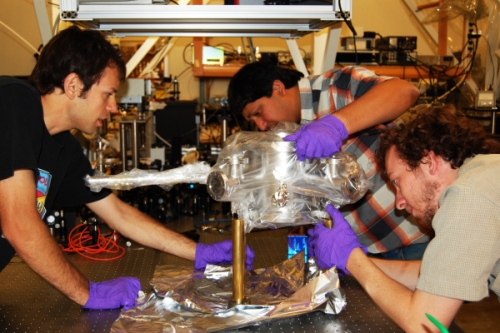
(227, 71)
(403, 72)
(215, 71)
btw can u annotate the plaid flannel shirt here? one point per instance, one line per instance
(375, 220)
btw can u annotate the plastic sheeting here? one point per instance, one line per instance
(269, 187)
(189, 173)
(260, 175)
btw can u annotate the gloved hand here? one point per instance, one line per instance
(112, 294)
(218, 253)
(332, 247)
(321, 138)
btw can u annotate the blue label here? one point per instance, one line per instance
(297, 243)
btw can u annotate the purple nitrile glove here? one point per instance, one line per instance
(321, 138)
(332, 247)
(112, 294)
(218, 253)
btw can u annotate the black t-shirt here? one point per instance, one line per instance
(57, 161)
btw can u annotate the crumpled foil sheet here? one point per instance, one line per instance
(186, 301)
(190, 173)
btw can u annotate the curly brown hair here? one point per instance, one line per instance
(440, 129)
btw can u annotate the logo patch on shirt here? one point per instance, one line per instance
(42, 189)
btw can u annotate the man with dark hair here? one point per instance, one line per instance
(74, 84)
(445, 170)
(343, 108)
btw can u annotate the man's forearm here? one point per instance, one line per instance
(392, 297)
(384, 102)
(141, 228)
(406, 307)
(42, 254)
(405, 272)
(30, 237)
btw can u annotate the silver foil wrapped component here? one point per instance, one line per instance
(187, 301)
(189, 173)
(270, 188)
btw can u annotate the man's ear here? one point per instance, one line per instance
(279, 87)
(73, 86)
(431, 162)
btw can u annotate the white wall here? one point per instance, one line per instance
(389, 18)
(16, 57)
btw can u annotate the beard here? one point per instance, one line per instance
(428, 203)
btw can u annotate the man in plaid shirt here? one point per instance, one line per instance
(345, 108)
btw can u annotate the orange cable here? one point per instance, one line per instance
(80, 242)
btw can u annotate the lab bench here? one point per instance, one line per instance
(30, 304)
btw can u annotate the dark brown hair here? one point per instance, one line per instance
(84, 52)
(255, 80)
(440, 129)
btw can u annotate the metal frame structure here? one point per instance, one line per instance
(144, 18)
(208, 21)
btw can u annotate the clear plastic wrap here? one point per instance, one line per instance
(189, 173)
(270, 188)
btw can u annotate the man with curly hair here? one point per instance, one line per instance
(445, 170)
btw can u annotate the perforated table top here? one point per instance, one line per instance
(30, 304)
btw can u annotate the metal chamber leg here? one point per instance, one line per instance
(239, 256)
(328, 223)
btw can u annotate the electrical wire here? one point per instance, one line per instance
(465, 72)
(80, 240)
(190, 63)
(440, 72)
(351, 27)
(231, 51)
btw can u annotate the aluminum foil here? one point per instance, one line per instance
(189, 173)
(188, 301)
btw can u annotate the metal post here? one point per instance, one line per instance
(328, 222)
(239, 256)
(493, 120)
(123, 145)
(134, 145)
(223, 131)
